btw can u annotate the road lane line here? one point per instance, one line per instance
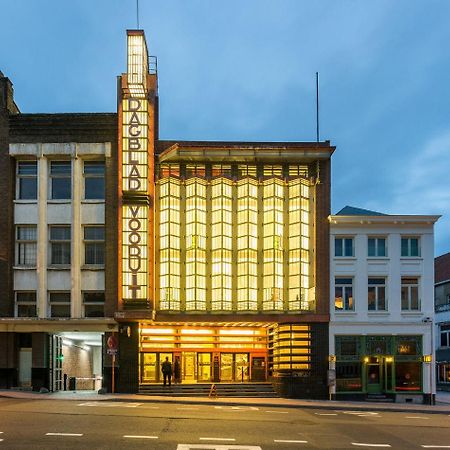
(326, 414)
(278, 412)
(132, 436)
(187, 408)
(290, 441)
(435, 446)
(64, 434)
(216, 439)
(361, 444)
(417, 417)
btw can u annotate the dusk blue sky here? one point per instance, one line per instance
(245, 70)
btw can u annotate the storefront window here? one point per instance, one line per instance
(408, 376)
(444, 373)
(348, 376)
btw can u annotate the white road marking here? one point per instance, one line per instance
(417, 417)
(240, 408)
(326, 414)
(131, 436)
(64, 434)
(290, 441)
(360, 412)
(216, 439)
(435, 446)
(361, 444)
(217, 447)
(187, 408)
(111, 404)
(1, 440)
(278, 412)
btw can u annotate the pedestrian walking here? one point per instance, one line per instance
(166, 368)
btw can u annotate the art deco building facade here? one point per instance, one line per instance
(212, 254)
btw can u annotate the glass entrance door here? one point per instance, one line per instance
(204, 366)
(241, 367)
(226, 367)
(189, 366)
(148, 374)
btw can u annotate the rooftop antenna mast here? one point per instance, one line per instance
(317, 107)
(137, 13)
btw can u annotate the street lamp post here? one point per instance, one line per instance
(430, 321)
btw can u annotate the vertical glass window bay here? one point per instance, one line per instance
(343, 294)
(298, 240)
(222, 225)
(196, 244)
(273, 255)
(94, 180)
(410, 246)
(27, 180)
(170, 251)
(60, 245)
(247, 244)
(376, 246)
(61, 180)
(26, 245)
(343, 246)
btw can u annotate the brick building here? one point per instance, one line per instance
(214, 255)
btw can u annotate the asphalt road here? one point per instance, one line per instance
(48, 424)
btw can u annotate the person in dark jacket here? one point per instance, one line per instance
(166, 368)
(177, 370)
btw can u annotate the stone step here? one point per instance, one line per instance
(203, 389)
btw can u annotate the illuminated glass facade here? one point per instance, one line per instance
(234, 238)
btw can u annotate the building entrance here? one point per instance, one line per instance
(374, 378)
(204, 354)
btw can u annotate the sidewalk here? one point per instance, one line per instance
(442, 401)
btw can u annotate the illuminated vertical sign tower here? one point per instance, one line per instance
(137, 99)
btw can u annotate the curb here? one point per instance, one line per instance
(444, 408)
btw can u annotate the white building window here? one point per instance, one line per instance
(26, 304)
(60, 245)
(410, 294)
(59, 304)
(376, 294)
(376, 246)
(94, 245)
(343, 294)
(61, 180)
(26, 245)
(94, 304)
(94, 180)
(343, 246)
(26, 180)
(410, 246)
(445, 335)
